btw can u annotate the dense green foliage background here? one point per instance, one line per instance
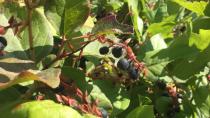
(171, 37)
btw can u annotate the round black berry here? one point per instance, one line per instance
(3, 43)
(161, 84)
(123, 64)
(117, 52)
(82, 63)
(104, 50)
(133, 73)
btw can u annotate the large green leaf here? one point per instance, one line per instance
(76, 13)
(157, 60)
(195, 6)
(145, 111)
(15, 71)
(117, 95)
(201, 40)
(42, 36)
(186, 69)
(172, 7)
(158, 42)
(41, 109)
(67, 15)
(110, 25)
(165, 28)
(76, 75)
(8, 95)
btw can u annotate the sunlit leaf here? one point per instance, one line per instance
(142, 111)
(67, 15)
(15, 71)
(201, 40)
(38, 109)
(195, 6)
(110, 25)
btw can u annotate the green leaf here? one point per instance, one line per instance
(165, 28)
(186, 69)
(42, 36)
(89, 116)
(67, 15)
(53, 10)
(158, 42)
(137, 21)
(25, 71)
(41, 109)
(98, 94)
(155, 64)
(195, 6)
(145, 111)
(75, 15)
(110, 25)
(172, 7)
(162, 104)
(51, 77)
(207, 10)
(9, 98)
(117, 95)
(201, 40)
(201, 23)
(204, 38)
(9, 95)
(149, 13)
(76, 75)
(162, 11)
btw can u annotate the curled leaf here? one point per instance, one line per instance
(110, 25)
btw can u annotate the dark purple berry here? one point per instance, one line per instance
(104, 50)
(82, 63)
(161, 84)
(117, 52)
(133, 73)
(123, 64)
(3, 43)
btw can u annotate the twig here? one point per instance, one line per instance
(60, 51)
(30, 35)
(65, 55)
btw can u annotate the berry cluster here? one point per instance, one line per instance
(131, 65)
(174, 93)
(119, 49)
(124, 64)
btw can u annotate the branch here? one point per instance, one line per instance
(64, 55)
(30, 35)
